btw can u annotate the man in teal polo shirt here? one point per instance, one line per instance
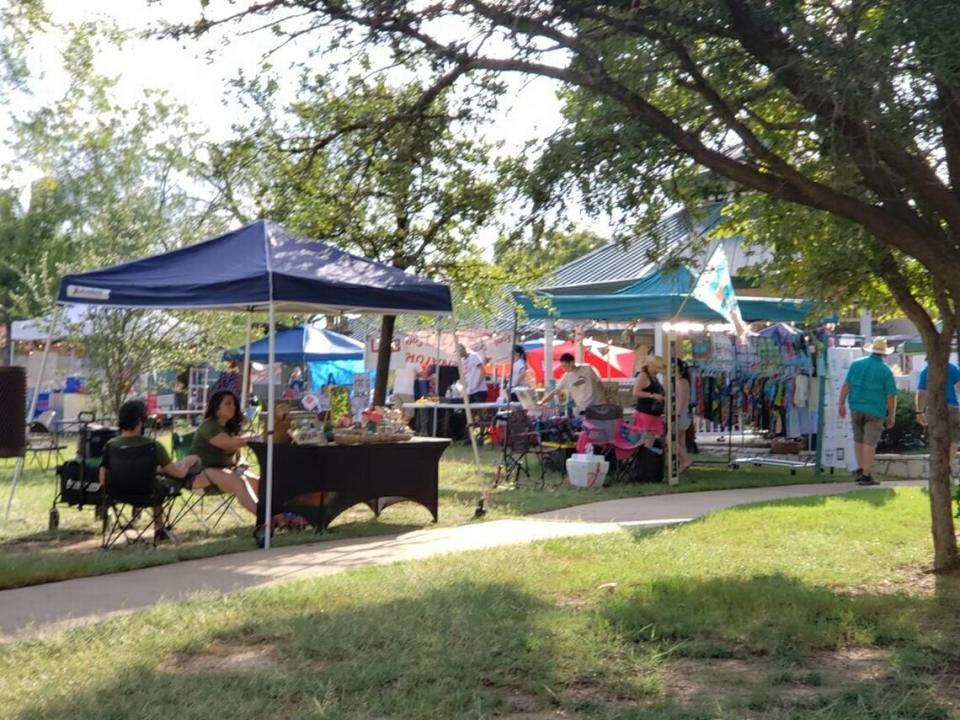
(872, 392)
(953, 408)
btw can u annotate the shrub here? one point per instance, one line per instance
(906, 433)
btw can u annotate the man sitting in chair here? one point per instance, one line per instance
(131, 418)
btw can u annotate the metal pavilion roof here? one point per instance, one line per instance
(615, 265)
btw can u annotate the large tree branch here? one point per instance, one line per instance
(948, 98)
(763, 39)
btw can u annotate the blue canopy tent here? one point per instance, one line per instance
(260, 267)
(301, 345)
(331, 357)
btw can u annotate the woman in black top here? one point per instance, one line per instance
(649, 394)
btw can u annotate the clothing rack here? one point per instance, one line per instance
(766, 360)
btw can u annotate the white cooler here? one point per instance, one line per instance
(587, 470)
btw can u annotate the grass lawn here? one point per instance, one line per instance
(31, 554)
(811, 608)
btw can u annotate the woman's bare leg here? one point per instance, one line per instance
(229, 482)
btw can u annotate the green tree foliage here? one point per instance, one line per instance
(544, 250)
(114, 188)
(361, 165)
(372, 168)
(847, 108)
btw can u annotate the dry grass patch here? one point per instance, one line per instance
(947, 683)
(222, 657)
(697, 681)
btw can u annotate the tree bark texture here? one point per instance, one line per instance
(383, 359)
(938, 438)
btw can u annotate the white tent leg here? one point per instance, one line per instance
(246, 366)
(436, 379)
(548, 381)
(267, 486)
(18, 471)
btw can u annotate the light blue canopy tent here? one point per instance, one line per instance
(332, 358)
(302, 344)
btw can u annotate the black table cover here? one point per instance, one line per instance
(319, 482)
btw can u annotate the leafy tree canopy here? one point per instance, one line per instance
(848, 108)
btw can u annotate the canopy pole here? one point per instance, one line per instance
(548, 381)
(668, 407)
(466, 401)
(271, 419)
(244, 392)
(609, 353)
(516, 342)
(436, 378)
(18, 470)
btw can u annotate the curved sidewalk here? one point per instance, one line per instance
(41, 607)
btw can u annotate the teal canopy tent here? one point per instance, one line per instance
(663, 295)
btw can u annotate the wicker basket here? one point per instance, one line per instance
(355, 437)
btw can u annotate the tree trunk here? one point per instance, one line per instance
(945, 555)
(383, 359)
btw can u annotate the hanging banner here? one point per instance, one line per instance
(420, 348)
(714, 289)
(837, 432)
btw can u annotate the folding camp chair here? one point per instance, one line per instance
(632, 456)
(44, 441)
(600, 426)
(195, 503)
(519, 442)
(132, 486)
(606, 430)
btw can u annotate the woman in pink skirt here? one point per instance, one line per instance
(649, 394)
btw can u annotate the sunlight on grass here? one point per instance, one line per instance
(801, 608)
(30, 553)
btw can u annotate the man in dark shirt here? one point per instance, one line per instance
(130, 419)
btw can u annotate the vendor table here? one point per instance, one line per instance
(319, 482)
(444, 418)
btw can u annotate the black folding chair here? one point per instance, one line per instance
(133, 486)
(519, 442)
(44, 441)
(195, 502)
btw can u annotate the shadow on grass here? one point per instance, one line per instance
(481, 649)
(877, 497)
(800, 648)
(467, 651)
(60, 536)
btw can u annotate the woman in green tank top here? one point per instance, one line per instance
(217, 442)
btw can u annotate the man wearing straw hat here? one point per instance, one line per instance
(872, 394)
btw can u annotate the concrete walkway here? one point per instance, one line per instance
(25, 611)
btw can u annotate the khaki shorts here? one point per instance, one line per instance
(866, 428)
(954, 423)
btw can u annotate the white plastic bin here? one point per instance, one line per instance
(587, 470)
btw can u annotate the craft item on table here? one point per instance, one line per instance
(310, 401)
(377, 425)
(306, 428)
(339, 401)
(281, 423)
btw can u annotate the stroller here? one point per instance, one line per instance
(78, 479)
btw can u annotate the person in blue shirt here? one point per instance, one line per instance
(872, 394)
(953, 407)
